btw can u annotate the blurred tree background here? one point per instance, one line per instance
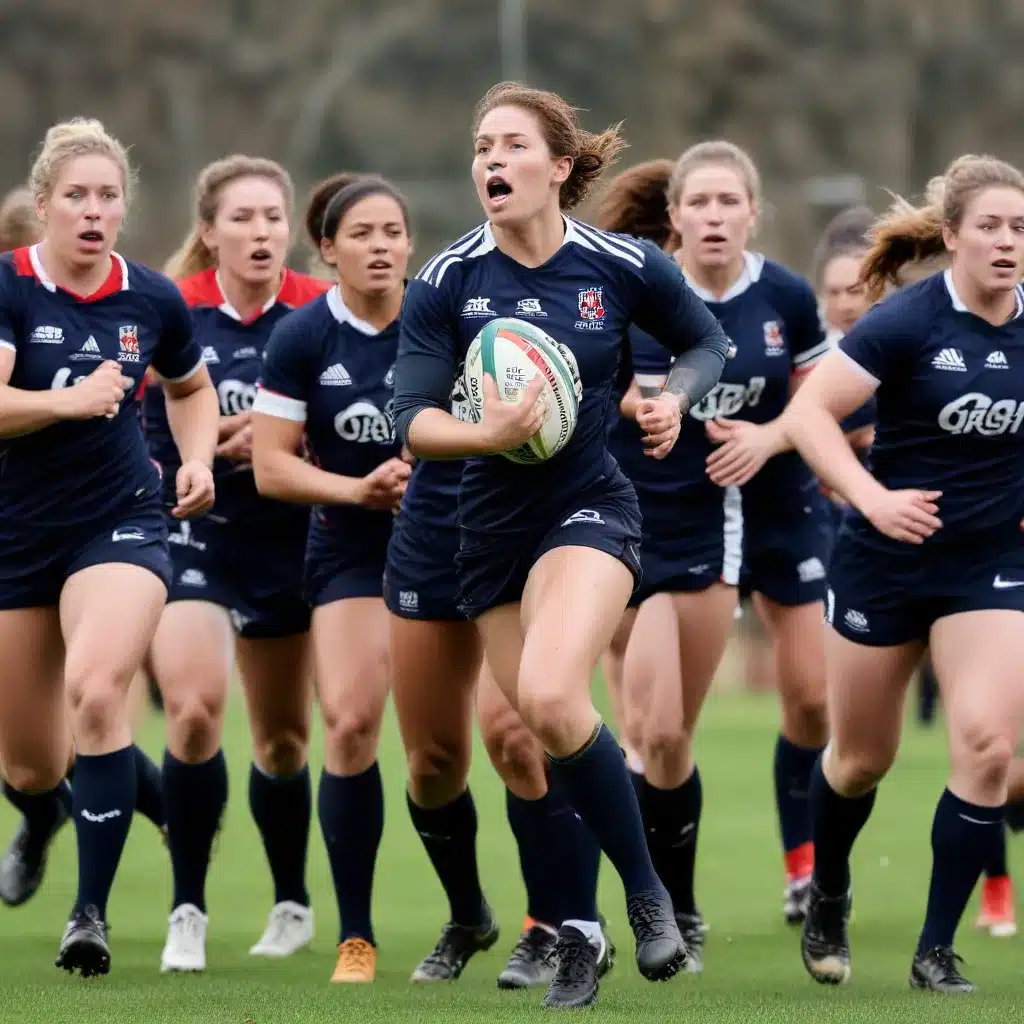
(836, 100)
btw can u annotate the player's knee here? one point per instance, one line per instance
(350, 733)
(551, 715)
(665, 738)
(36, 778)
(516, 753)
(805, 716)
(284, 753)
(987, 752)
(195, 718)
(96, 700)
(860, 771)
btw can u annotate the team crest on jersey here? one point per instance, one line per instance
(389, 379)
(591, 306)
(773, 343)
(128, 344)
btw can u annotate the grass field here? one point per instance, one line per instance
(753, 972)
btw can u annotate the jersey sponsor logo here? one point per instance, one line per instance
(729, 399)
(810, 569)
(857, 621)
(591, 304)
(773, 341)
(63, 379)
(128, 344)
(246, 352)
(997, 361)
(89, 351)
(47, 336)
(335, 376)
(975, 413)
(478, 307)
(192, 578)
(584, 515)
(950, 359)
(128, 533)
(1000, 584)
(210, 355)
(364, 423)
(235, 396)
(529, 307)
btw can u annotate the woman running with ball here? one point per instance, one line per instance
(549, 552)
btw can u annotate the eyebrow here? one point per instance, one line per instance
(79, 185)
(504, 135)
(253, 209)
(373, 224)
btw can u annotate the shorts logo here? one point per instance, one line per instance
(477, 307)
(773, 342)
(857, 621)
(183, 537)
(408, 600)
(1000, 584)
(810, 570)
(238, 620)
(128, 344)
(584, 515)
(192, 578)
(529, 307)
(591, 303)
(700, 570)
(128, 533)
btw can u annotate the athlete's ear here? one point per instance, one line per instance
(949, 237)
(42, 204)
(327, 252)
(562, 169)
(206, 236)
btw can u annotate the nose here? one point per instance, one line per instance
(260, 228)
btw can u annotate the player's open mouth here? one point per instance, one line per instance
(261, 256)
(379, 265)
(91, 236)
(714, 239)
(498, 189)
(1004, 264)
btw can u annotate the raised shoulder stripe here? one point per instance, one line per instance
(453, 252)
(622, 241)
(611, 244)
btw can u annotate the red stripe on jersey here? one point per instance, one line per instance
(112, 285)
(201, 289)
(298, 289)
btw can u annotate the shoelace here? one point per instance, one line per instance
(278, 924)
(355, 954)
(575, 962)
(534, 944)
(646, 912)
(451, 942)
(947, 961)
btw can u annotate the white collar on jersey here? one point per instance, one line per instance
(753, 264)
(229, 310)
(44, 278)
(572, 234)
(344, 315)
(960, 307)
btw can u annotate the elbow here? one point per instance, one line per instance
(271, 482)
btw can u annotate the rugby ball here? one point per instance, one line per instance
(513, 352)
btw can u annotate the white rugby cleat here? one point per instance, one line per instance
(289, 929)
(185, 948)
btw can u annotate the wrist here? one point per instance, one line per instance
(350, 490)
(864, 493)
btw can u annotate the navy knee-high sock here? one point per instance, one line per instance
(793, 767)
(672, 819)
(836, 822)
(448, 834)
(996, 866)
(103, 801)
(195, 796)
(352, 820)
(596, 783)
(282, 807)
(963, 835)
(558, 856)
(42, 812)
(149, 796)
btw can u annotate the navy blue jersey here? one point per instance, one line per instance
(950, 394)
(73, 472)
(585, 297)
(771, 318)
(335, 373)
(232, 349)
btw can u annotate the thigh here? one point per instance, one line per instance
(351, 658)
(797, 635)
(502, 631)
(434, 670)
(865, 691)
(277, 680)
(191, 655)
(977, 657)
(34, 734)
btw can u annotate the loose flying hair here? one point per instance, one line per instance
(81, 136)
(559, 124)
(846, 234)
(717, 151)
(193, 256)
(910, 234)
(19, 224)
(636, 203)
(330, 200)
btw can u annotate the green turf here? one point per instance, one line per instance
(753, 971)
